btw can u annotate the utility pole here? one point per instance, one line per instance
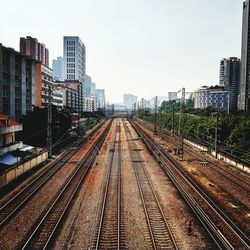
(49, 131)
(216, 138)
(180, 128)
(161, 119)
(173, 120)
(155, 115)
(134, 109)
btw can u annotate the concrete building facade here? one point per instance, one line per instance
(143, 104)
(31, 47)
(17, 83)
(57, 98)
(57, 66)
(100, 98)
(74, 67)
(230, 79)
(74, 59)
(215, 96)
(71, 94)
(90, 104)
(172, 96)
(46, 85)
(129, 100)
(8, 128)
(90, 87)
(244, 90)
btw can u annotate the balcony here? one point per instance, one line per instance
(11, 129)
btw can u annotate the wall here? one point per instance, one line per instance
(220, 156)
(12, 173)
(38, 98)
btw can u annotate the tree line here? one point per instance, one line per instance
(233, 129)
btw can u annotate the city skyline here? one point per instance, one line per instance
(142, 44)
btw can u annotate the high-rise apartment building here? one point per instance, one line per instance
(129, 100)
(74, 57)
(230, 79)
(244, 90)
(90, 87)
(74, 65)
(17, 83)
(90, 104)
(143, 104)
(57, 66)
(100, 98)
(31, 47)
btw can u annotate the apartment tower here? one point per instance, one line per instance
(230, 79)
(244, 90)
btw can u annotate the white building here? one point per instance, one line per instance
(74, 58)
(143, 104)
(90, 104)
(129, 100)
(74, 65)
(57, 98)
(46, 84)
(172, 96)
(211, 96)
(57, 66)
(100, 98)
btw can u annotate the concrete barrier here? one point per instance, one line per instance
(13, 172)
(220, 156)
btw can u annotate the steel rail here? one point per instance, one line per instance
(12, 206)
(167, 163)
(222, 171)
(47, 227)
(232, 176)
(143, 176)
(106, 194)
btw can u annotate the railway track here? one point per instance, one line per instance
(225, 233)
(109, 228)
(41, 236)
(240, 179)
(241, 182)
(159, 229)
(12, 206)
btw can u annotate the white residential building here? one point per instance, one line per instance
(46, 84)
(129, 100)
(74, 65)
(74, 58)
(90, 104)
(100, 98)
(57, 98)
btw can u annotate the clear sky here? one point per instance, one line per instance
(143, 47)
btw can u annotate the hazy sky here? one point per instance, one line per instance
(144, 47)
